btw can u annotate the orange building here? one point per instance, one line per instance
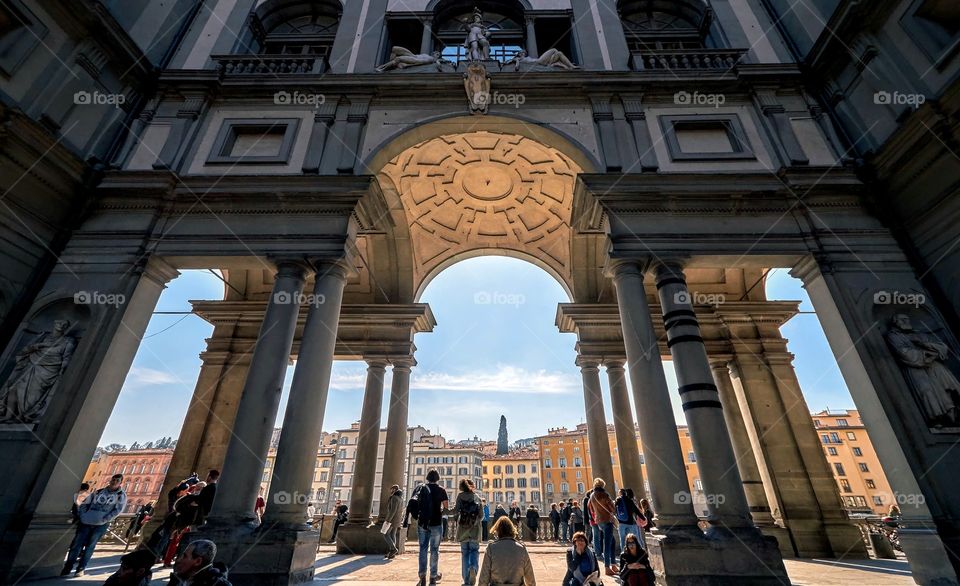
(143, 473)
(514, 476)
(853, 461)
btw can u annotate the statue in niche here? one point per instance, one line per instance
(550, 58)
(921, 357)
(477, 43)
(38, 369)
(401, 57)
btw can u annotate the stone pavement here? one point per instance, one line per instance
(548, 563)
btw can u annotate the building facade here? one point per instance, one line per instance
(514, 476)
(649, 155)
(143, 472)
(453, 462)
(856, 467)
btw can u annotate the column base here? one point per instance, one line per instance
(41, 550)
(929, 562)
(782, 535)
(361, 538)
(846, 540)
(740, 560)
(263, 555)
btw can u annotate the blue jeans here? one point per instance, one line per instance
(564, 529)
(469, 561)
(86, 541)
(624, 529)
(603, 532)
(429, 538)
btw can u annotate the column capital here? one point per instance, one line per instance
(615, 364)
(587, 363)
(376, 363)
(403, 363)
(290, 266)
(616, 268)
(334, 267)
(670, 268)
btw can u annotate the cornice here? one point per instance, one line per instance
(416, 317)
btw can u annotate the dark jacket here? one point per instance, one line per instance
(533, 518)
(213, 575)
(413, 509)
(647, 576)
(634, 516)
(499, 512)
(515, 515)
(565, 514)
(554, 516)
(573, 565)
(602, 508)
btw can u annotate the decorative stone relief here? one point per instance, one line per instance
(476, 82)
(39, 367)
(921, 357)
(401, 57)
(485, 191)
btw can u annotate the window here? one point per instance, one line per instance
(845, 485)
(463, 471)
(870, 483)
(839, 469)
(832, 451)
(549, 488)
(521, 469)
(344, 440)
(564, 488)
(878, 500)
(533, 468)
(535, 496)
(340, 467)
(484, 469)
(863, 467)
(324, 476)
(691, 457)
(535, 482)
(20, 33)
(242, 141)
(297, 28)
(835, 438)
(508, 468)
(579, 474)
(842, 423)
(693, 137)
(521, 483)
(325, 463)
(851, 436)
(577, 462)
(857, 452)
(497, 470)
(563, 462)
(547, 463)
(825, 438)
(649, 28)
(508, 483)
(697, 485)
(342, 454)
(934, 25)
(580, 487)
(641, 460)
(816, 423)
(419, 471)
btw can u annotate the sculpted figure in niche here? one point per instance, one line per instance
(478, 39)
(550, 58)
(401, 57)
(39, 367)
(921, 357)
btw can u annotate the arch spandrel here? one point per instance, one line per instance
(485, 191)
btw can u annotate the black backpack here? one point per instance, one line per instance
(425, 501)
(469, 513)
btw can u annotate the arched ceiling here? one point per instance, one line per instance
(465, 194)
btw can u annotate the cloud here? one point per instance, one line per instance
(501, 379)
(140, 377)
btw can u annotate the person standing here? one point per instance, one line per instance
(468, 511)
(433, 501)
(555, 521)
(582, 566)
(208, 493)
(340, 510)
(629, 516)
(602, 510)
(591, 525)
(95, 514)
(485, 529)
(506, 561)
(499, 512)
(394, 517)
(576, 519)
(137, 522)
(78, 498)
(565, 521)
(647, 511)
(533, 522)
(515, 515)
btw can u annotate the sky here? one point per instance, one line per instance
(495, 350)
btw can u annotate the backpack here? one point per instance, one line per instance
(425, 502)
(470, 513)
(623, 514)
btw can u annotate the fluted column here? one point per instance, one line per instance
(426, 40)
(531, 36)
(716, 460)
(361, 495)
(243, 465)
(290, 488)
(395, 448)
(629, 455)
(651, 397)
(600, 460)
(746, 459)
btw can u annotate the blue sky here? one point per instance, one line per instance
(495, 351)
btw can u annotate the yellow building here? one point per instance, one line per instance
(853, 461)
(514, 476)
(566, 472)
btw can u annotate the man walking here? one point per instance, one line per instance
(433, 501)
(392, 520)
(485, 525)
(95, 515)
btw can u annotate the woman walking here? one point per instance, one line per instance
(582, 566)
(468, 511)
(506, 561)
(603, 510)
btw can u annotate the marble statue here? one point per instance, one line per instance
(401, 57)
(921, 357)
(478, 38)
(476, 82)
(549, 58)
(39, 366)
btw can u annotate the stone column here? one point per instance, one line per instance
(427, 39)
(290, 489)
(746, 460)
(531, 36)
(361, 494)
(651, 397)
(629, 454)
(243, 465)
(600, 461)
(716, 460)
(395, 448)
